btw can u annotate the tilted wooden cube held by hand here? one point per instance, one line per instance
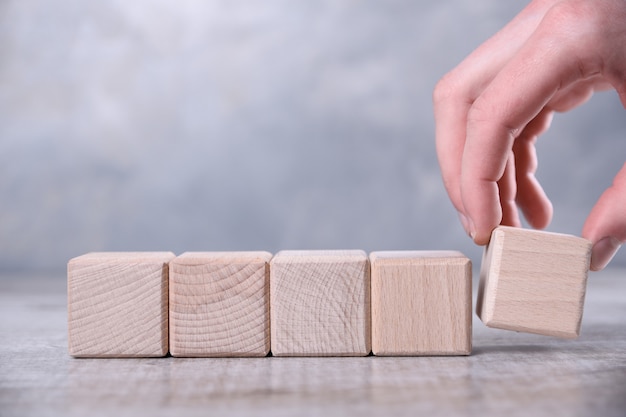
(219, 304)
(117, 304)
(320, 303)
(421, 303)
(533, 281)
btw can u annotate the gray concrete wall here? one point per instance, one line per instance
(227, 125)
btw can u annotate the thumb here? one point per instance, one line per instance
(606, 225)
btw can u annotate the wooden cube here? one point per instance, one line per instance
(534, 282)
(320, 303)
(219, 304)
(117, 304)
(421, 303)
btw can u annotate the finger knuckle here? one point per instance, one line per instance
(444, 90)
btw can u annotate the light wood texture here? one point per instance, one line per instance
(219, 304)
(533, 281)
(117, 304)
(508, 374)
(320, 303)
(421, 303)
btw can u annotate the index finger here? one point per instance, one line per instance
(455, 93)
(451, 116)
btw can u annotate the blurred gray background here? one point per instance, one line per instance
(239, 125)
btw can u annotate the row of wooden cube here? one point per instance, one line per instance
(323, 303)
(296, 303)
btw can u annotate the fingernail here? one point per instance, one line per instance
(464, 222)
(468, 225)
(472, 228)
(603, 251)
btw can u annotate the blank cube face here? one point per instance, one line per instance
(421, 303)
(117, 304)
(320, 303)
(219, 304)
(534, 282)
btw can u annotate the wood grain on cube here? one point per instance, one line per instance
(533, 281)
(219, 304)
(320, 303)
(117, 304)
(421, 303)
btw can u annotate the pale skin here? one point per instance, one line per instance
(492, 107)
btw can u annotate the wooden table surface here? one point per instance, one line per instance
(508, 374)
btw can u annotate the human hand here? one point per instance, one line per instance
(491, 108)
